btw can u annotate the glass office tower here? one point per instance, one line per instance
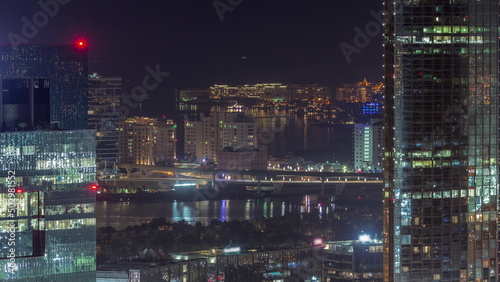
(43, 85)
(47, 165)
(53, 205)
(441, 140)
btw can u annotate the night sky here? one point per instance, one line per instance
(285, 41)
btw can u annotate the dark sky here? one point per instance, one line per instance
(287, 41)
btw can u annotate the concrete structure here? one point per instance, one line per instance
(147, 141)
(210, 134)
(368, 146)
(441, 141)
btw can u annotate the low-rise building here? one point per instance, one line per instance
(187, 270)
(362, 91)
(353, 260)
(193, 94)
(271, 91)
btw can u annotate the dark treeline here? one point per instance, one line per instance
(288, 231)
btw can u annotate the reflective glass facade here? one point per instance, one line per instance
(53, 206)
(27, 69)
(104, 99)
(441, 140)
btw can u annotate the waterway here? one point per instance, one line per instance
(285, 132)
(120, 215)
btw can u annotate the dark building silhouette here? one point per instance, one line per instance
(43, 86)
(104, 100)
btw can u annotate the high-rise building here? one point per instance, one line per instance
(104, 100)
(441, 140)
(208, 135)
(47, 198)
(368, 146)
(42, 86)
(147, 141)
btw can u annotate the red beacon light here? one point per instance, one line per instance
(80, 43)
(94, 186)
(19, 190)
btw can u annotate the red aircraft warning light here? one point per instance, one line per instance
(94, 186)
(19, 190)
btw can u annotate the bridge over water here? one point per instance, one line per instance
(260, 179)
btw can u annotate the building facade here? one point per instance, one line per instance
(308, 91)
(104, 100)
(53, 206)
(362, 91)
(210, 134)
(44, 86)
(266, 91)
(354, 260)
(441, 141)
(47, 198)
(147, 141)
(271, 91)
(368, 146)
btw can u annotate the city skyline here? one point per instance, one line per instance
(245, 140)
(188, 40)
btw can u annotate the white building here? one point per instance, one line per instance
(210, 134)
(368, 146)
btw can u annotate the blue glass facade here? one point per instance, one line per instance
(53, 205)
(47, 206)
(60, 68)
(372, 109)
(441, 140)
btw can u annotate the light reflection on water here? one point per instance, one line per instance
(120, 215)
(295, 133)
